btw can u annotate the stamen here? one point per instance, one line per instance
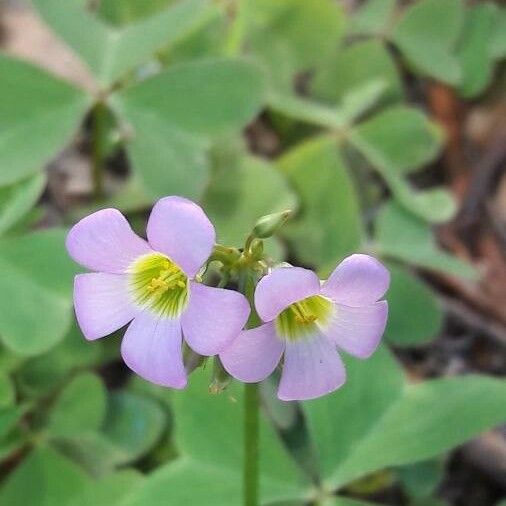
(303, 317)
(159, 284)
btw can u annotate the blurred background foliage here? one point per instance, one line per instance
(379, 122)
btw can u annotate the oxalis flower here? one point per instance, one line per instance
(152, 284)
(308, 322)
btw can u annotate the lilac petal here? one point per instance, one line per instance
(104, 241)
(102, 303)
(214, 318)
(358, 330)
(358, 280)
(312, 368)
(152, 348)
(282, 287)
(180, 229)
(254, 354)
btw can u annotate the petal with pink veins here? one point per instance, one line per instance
(102, 303)
(105, 242)
(214, 318)
(152, 348)
(358, 330)
(254, 354)
(282, 287)
(312, 368)
(357, 281)
(180, 229)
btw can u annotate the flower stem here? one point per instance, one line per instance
(251, 450)
(98, 132)
(251, 407)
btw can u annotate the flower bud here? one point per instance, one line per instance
(269, 224)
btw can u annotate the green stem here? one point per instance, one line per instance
(251, 450)
(98, 132)
(251, 407)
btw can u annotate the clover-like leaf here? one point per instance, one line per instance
(353, 67)
(414, 315)
(290, 36)
(404, 237)
(327, 226)
(399, 139)
(109, 51)
(373, 17)
(45, 478)
(80, 407)
(18, 198)
(36, 286)
(209, 439)
(242, 192)
(474, 51)
(38, 115)
(429, 45)
(171, 115)
(369, 425)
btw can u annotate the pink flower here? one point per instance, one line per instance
(151, 284)
(307, 322)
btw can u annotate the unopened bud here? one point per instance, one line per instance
(269, 224)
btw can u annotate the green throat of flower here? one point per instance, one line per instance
(158, 284)
(304, 317)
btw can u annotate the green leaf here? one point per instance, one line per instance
(38, 116)
(347, 501)
(327, 227)
(44, 478)
(498, 37)
(133, 425)
(421, 479)
(209, 437)
(404, 237)
(396, 142)
(187, 481)
(429, 419)
(7, 393)
(18, 198)
(239, 194)
(9, 417)
(112, 52)
(338, 421)
(474, 51)
(373, 18)
(429, 45)
(414, 316)
(354, 67)
(39, 375)
(308, 111)
(230, 98)
(290, 36)
(165, 159)
(112, 490)
(36, 286)
(171, 114)
(122, 12)
(13, 442)
(79, 408)
(207, 41)
(92, 451)
(436, 205)
(399, 139)
(369, 425)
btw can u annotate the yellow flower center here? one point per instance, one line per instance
(304, 317)
(159, 284)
